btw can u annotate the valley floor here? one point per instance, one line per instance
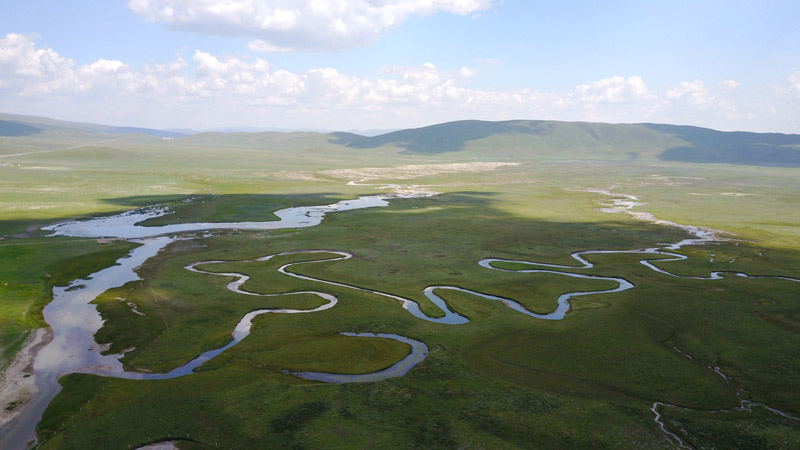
(706, 325)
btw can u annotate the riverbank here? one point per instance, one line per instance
(18, 379)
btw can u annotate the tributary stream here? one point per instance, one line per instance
(75, 320)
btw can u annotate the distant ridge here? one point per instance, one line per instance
(147, 131)
(733, 147)
(669, 142)
(475, 139)
(8, 128)
(29, 125)
(445, 137)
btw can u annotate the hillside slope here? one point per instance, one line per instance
(14, 124)
(583, 140)
(516, 140)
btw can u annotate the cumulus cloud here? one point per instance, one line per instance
(614, 90)
(21, 62)
(204, 90)
(729, 84)
(693, 91)
(694, 97)
(259, 45)
(296, 25)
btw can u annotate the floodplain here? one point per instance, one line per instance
(643, 367)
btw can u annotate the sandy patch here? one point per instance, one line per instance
(300, 176)
(17, 380)
(359, 176)
(412, 190)
(411, 171)
(133, 306)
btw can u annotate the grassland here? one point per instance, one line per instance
(504, 380)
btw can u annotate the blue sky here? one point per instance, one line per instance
(310, 64)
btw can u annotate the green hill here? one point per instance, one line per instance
(13, 129)
(581, 140)
(477, 140)
(26, 125)
(710, 146)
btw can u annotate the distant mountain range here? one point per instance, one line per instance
(674, 142)
(513, 139)
(17, 125)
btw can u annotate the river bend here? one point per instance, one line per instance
(75, 320)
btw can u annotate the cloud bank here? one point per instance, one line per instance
(206, 90)
(296, 25)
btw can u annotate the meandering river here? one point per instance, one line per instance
(75, 320)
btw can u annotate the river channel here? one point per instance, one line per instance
(75, 320)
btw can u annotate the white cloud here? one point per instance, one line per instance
(614, 90)
(688, 89)
(696, 100)
(729, 84)
(24, 67)
(207, 90)
(259, 45)
(296, 25)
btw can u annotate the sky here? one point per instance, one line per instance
(392, 64)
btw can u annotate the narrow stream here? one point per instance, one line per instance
(75, 320)
(419, 352)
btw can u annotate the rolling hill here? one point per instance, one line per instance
(667, 142)
(19, 125)
(475, 139)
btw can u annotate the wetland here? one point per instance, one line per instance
(225, 305)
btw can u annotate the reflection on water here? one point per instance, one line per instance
(75, 320)
(418, 353)
(124, 225)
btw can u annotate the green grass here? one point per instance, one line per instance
(605, 364)
(504, 380)
(30, 269)
(738, 429)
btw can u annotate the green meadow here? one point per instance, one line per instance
(503, 380)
